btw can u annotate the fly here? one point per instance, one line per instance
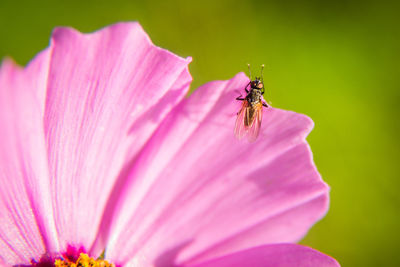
(249, 117)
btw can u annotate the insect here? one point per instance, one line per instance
(249, 117)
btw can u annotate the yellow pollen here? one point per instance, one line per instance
(84, 261)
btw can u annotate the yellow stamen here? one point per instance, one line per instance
(84, 261)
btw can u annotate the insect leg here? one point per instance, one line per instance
(265, 105)
(247, 90)
(240, 98)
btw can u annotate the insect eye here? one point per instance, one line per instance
(260, 85)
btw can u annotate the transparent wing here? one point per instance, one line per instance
(240, 128)
(254, 129)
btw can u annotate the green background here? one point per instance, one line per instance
(336, 61)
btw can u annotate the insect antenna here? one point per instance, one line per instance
(248, 65)
(262, 68)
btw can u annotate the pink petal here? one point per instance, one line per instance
(277, 255)
(106, 93)
(26, 220)
(196, 192)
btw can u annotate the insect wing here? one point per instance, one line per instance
(254, 128)
(240, 128)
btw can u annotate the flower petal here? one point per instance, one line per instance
(197, 193)
(277, 255)
(27, 228)
(102, 90)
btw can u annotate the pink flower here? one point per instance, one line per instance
(99, 150)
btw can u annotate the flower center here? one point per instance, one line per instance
(83, 261)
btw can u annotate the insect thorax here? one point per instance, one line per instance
(254, 96)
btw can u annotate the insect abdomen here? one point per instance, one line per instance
(249, 116)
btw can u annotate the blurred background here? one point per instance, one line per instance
(336, 61)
